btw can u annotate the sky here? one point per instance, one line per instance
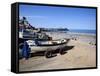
(59, 17)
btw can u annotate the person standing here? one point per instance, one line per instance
(25, 50)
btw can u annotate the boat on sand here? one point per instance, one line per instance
(47, 46)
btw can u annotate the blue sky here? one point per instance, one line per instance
(59, 17)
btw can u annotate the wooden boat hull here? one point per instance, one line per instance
(46, 48)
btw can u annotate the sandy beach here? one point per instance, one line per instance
(82, 54)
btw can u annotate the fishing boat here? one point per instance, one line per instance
(47, 46)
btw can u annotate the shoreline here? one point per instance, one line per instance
(74, 33)
(88, 34)
(88, 38)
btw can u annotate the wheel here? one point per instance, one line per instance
(48, 54)
(61, 51)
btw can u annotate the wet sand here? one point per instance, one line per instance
(82, 55)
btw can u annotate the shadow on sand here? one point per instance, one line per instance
(54, 52)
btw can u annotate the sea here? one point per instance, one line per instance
(82, 31)
(75, 31)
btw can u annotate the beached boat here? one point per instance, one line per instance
(46, 46)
